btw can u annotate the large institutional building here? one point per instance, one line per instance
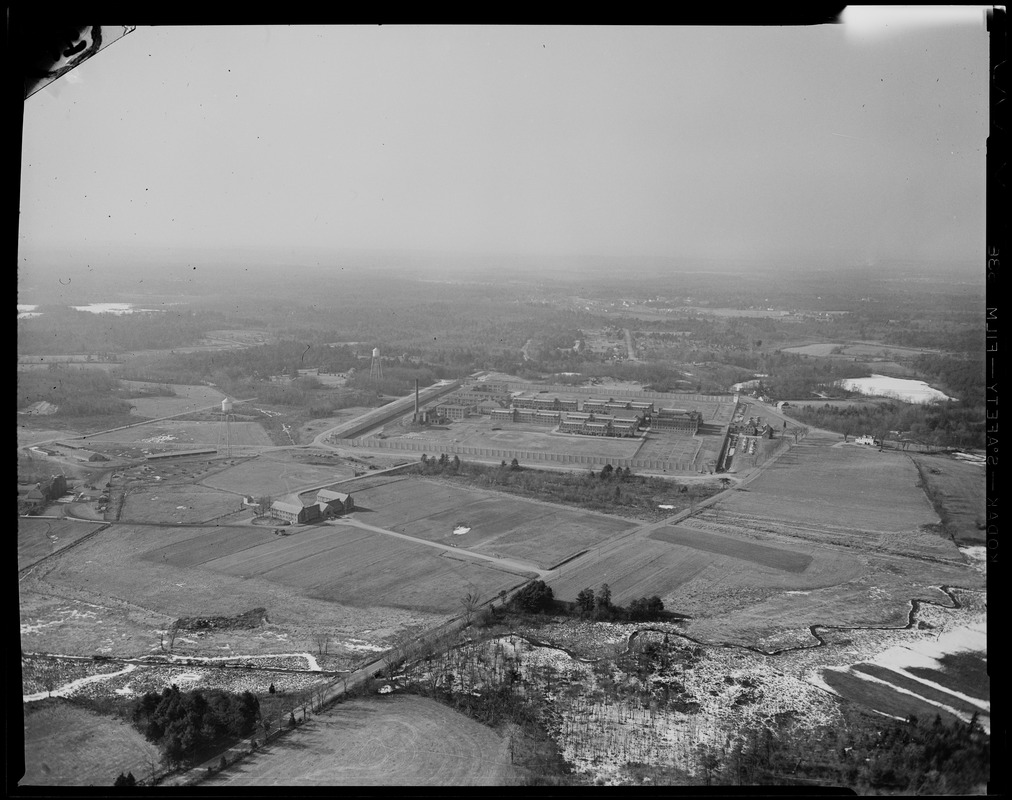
(291, 509)
(594, 417)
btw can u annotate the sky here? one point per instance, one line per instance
(859, 143)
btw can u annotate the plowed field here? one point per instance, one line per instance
(338, 563)
(499, 525)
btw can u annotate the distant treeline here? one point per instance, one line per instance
(963, 378)
(246, 372)
(64, 330)
(75, 392)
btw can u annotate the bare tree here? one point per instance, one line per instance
(171, 633)
(304, 699)
(322, 641)
(470, 602)
(153, 760)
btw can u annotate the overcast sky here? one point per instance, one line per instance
(835, 145)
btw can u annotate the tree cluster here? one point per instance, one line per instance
(612, 489)
(535, 596)
(184, 723)
(600, 606)
(945, 424)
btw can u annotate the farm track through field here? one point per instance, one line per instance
(24, 571)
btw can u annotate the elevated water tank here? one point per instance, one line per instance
(226, 406)
(375, 352)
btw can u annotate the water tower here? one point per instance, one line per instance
(376, 367)
(225, 429)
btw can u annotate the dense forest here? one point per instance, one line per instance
(76, 392)
(946, 424)
(64, 330)
(869, 755)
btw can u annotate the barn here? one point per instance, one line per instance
(291, 509)
(334, 502)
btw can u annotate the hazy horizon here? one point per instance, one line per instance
(820, 147)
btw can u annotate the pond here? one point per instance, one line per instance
(905, 389)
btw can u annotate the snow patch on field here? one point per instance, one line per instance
(927, 652)
(977, 557)
(65, 613)
(69, 688)
(358, 644)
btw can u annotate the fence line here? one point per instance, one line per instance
(528, 456)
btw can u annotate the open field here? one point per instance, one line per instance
(964, 672)
(763, 555)
(350, 566)
(499, 525)
(858, 488)
(105, 366)
(861, 518)
(38, 538)
(176, 432)
(958, 488)
(129, 582)
(400, 740)
(477, 432)
(858, 350)
(187, 398)
(308, 430)
(70, 746)
(109, 599)
(177, 504)
(276, 474)
(637, 568)
(850, 402)
(883, 697)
